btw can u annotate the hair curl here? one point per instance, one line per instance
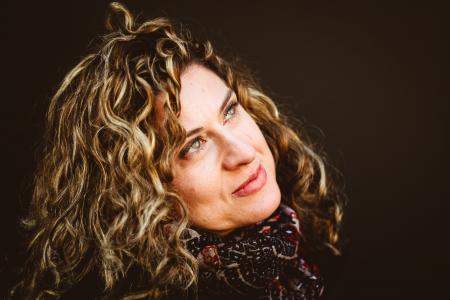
(102, 187)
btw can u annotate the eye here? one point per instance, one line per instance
(230, 111)
(196, 144)
(192, 147)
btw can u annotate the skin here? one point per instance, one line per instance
(220, 157)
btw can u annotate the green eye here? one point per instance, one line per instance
(195, 145)
(231, 111)
(191, 147)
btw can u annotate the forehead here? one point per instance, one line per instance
(201, 95)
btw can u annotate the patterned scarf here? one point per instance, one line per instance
(262, 261)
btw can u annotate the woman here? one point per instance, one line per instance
(168, 173)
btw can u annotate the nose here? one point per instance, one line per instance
(237, 151)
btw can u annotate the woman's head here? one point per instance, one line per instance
(225, 150)
(118, 164)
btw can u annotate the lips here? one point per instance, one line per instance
(253, 184)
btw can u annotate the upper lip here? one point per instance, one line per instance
(252, 176)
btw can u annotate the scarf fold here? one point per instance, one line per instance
(262, 261)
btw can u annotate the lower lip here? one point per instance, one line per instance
(254, 185)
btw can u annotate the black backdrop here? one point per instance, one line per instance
(373, 76)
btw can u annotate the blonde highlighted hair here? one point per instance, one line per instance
(102, 188)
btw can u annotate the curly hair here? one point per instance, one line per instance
(102, 186)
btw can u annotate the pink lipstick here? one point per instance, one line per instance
(253, 184)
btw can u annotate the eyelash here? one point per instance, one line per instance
(233, 105)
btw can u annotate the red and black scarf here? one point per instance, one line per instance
(262, 261)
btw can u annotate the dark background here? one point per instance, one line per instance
(372, 76)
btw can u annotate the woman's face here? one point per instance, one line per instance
(225, 171)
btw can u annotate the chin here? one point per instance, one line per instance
(263, 208)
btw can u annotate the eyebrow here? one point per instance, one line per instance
(222, 107)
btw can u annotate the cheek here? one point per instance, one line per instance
(185, 184)
(194, 186)
(254, 133)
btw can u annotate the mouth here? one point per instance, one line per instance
(253, 184)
